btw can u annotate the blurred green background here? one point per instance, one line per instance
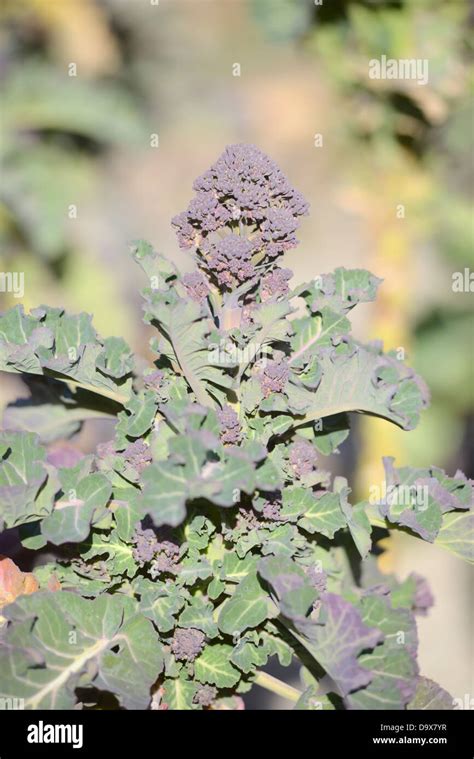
(110, 109)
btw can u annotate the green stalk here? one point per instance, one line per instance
(277, 686)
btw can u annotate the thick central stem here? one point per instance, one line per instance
(231, 317)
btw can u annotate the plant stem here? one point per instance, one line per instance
(277, 686)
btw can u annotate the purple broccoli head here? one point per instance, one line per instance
(272, 508)
(247, 520)
(196, 285)
(274, 376)
(138, 455)
(274, 285)
(244, 212)
(145, 546)
(187, 234)
(230, 260)
(303, 457)
(187, 643)
(230, 429)
(278, 231)
(247, 182)
(423, 599)
(166, 559)
(205, 695)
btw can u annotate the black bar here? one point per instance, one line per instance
(113, 733)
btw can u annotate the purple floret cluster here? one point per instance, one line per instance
(230, 260)
(138, 455)
(274, 376)
(302, 457)
(247, 521)
(230, 429)
(166, 559)
(423, 600)
(145, 546)
(98, 570)
(205, 695)
(245, 213)
(196, 286)
(161, 556)
(274, 285)
(272, 509)
(278, 231)
(187, 643)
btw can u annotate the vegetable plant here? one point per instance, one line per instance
(207, 536)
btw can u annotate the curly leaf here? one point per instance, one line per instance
(183, 333)
(50, 342)
(74, 639)
(362, 379)
(392, 665)
(430, 504)
(82, 503)
(430, 696)
(247, 608)
(27, 483)
(213, 666)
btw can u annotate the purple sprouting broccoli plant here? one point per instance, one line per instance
(207, 536)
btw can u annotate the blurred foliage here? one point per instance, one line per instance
(283, 20)
(61, 79)
(75, 30)
(433, 122)
(56, 128)
(410, 144)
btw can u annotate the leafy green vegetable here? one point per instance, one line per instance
(207, 536)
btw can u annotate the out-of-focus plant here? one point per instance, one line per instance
(413, 146)
(55, 126)
(66, 105)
